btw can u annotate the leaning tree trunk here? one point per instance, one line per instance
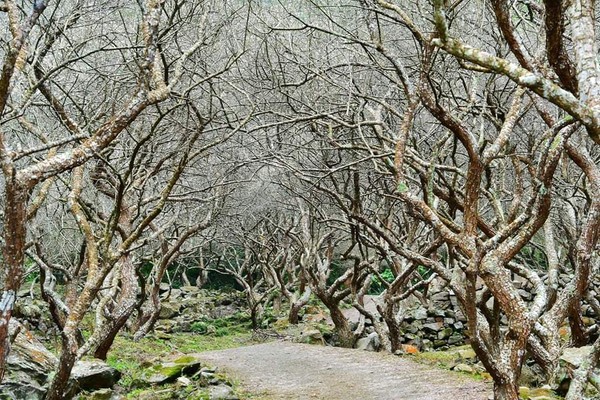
(15, 212)
(294, 315)
(120, 313)
(388, 313)
(126, 305)
(342, 327)
(256, 315)
(70, 346)
(296, 306)
(149, 314)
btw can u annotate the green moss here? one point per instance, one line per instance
(169, 371)
(185, 360)
(132, 358)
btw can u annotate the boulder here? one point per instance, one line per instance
(94, 375)
(369, 343)
(169, 310)
(571, 359)
(171, 370)
(29, 365)
(573, 356)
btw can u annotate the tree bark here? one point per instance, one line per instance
(506, 390)
(342, 327)
(58, 388)
(15, 212)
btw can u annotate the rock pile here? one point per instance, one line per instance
(441, 324)
(438, 326)
(184, 308)
(31, 365)
(191, 378)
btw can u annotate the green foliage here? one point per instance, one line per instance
(402, 187)
(377, 286)
(218, 281)
(231, 325)
(200, 327)
(424, 271)
(337, 269)
(534, 257)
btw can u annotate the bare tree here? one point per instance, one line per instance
(26, 65)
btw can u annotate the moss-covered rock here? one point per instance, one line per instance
(170, 371)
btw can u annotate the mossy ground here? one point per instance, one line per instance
(132, 358)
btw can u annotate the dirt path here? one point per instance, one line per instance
(296, 371)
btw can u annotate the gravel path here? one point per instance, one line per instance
(297, 372)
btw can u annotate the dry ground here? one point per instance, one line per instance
(296, 372)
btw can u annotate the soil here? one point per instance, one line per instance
(294, 371)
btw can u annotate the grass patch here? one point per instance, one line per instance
(441, 358)
(132, 358)
(231, 325)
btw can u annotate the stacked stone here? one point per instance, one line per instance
(439, 326)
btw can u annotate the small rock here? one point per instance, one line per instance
(222, 392)
(207, 375)
(456, 338)
(427, 344)
(463, 368)
(445, 333)
(419, 313)
(164, 287)
(102, 394)
(432, 327)
(414, 328)
(313, 336)
(184, 381)
(440, 297)
(190, 290)
(436, 312)
(94, 375)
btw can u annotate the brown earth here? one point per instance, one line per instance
(297, 371)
